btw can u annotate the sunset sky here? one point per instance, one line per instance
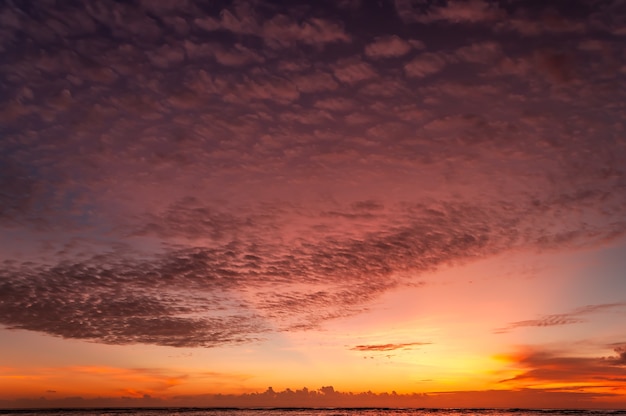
(395, 202)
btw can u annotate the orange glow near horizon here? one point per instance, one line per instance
(353, 349)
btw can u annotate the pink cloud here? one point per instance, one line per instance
(315, 82)
(236, 56)
(576, 316)
(335, 104)
(485, 52)
(546, 21)
(424, 64)
(233, 155)
(268, 88)
(278, 31)
(454, 11)
(243, 20)
(281, 30)
(387, 47)
(353, 70)
(167, 56)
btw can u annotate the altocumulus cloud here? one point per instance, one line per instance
(185, 174)
(195, 296)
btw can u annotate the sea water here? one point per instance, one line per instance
(309, 412)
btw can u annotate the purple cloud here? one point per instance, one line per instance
(182, 175)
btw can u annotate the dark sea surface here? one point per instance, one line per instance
(309, 412)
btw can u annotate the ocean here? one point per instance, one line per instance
(309, 412)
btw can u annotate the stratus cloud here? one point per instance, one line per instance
(268, 87)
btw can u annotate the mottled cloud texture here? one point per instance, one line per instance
(574, 317)
(195, 174)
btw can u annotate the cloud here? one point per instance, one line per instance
(194, 293)
(424, 64)
(574, 317)
(281, 30)
(462, 11)
(315, 82)
(387, 47)
(557, 66)
(525, 19)
(154, 308)
(278, 31)
(540, 367)
(17, 192)
(205, 181)
(385, 88)
(189, 218)
(610, 18)
(351, 71)
(621, 355)
(367, 205)
(388, 347)
(124, 20)
(238, 55)
(484, 52)
(152, 314)
(242, 20)
(474, 11)
(160, 7)
(550, 320)
(542, 21)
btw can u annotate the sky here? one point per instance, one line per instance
(331, 203)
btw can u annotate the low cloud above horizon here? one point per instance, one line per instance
(222, 175)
